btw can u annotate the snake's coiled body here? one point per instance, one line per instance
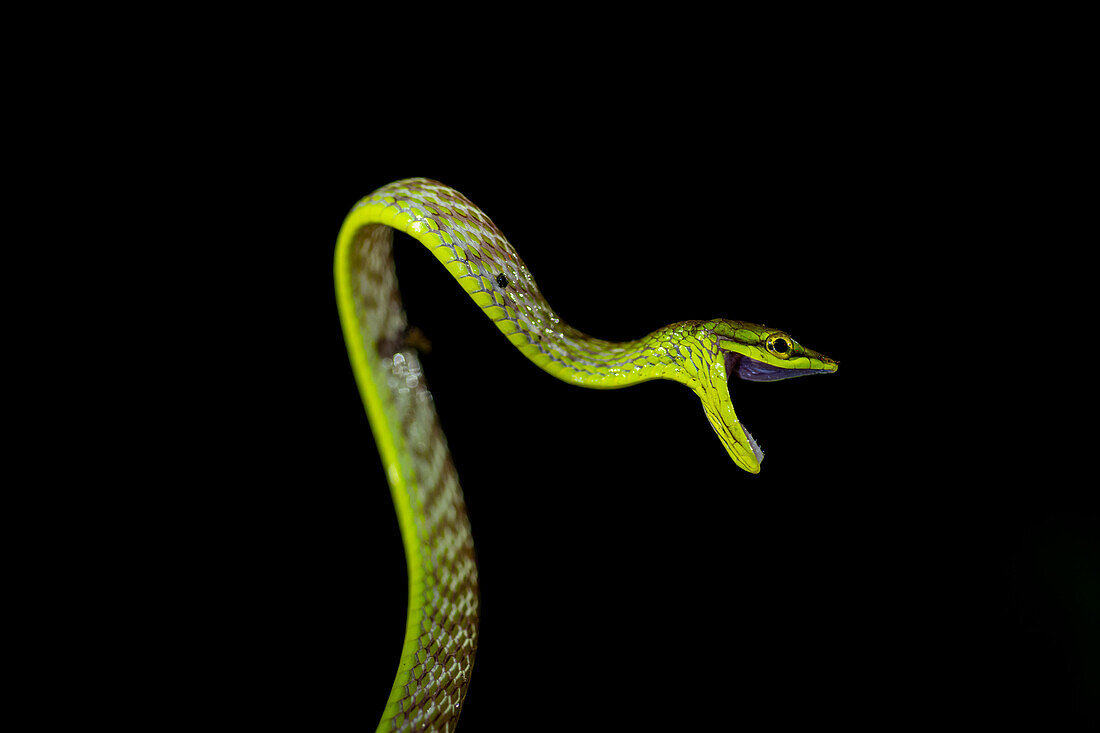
(441, 633)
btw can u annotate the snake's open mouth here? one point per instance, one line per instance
(754, 370)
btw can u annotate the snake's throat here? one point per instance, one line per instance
(752, 443)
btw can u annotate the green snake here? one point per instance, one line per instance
(442, 622)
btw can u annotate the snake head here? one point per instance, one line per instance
(753, 353)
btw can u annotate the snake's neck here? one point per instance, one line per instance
(674, 352)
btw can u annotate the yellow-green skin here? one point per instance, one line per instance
(441, 633)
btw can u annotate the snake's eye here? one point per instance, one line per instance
(780, 345)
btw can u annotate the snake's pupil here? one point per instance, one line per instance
(781, 346)
(502, 281)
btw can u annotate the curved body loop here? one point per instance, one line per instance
(442, 626)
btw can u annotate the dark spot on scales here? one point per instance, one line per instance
(502, 281)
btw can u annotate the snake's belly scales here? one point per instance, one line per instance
(442, 623)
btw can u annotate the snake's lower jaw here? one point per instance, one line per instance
(744, 451)
(739, 443)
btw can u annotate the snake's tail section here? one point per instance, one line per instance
(443, 604)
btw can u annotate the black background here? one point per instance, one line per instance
(902, 194)
(914, 551)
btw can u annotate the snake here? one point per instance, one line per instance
(441, 630)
